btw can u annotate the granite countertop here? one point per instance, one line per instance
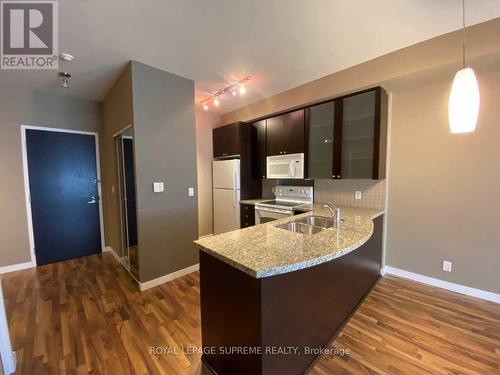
(264, 250)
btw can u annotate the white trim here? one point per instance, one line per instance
(122, 193)
(7, 355)
(462, 289)
(109, 249)
(387, 177)
(171, 276)
(27, 184)
(129, 126)
(16, 267)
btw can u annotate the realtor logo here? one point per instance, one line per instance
(29, 37)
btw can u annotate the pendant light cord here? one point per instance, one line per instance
(463, 34)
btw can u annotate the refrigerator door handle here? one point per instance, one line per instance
(234, 189)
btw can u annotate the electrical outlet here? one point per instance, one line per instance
(358, 195)
(191, 192)
(158, 187)
(447, 265)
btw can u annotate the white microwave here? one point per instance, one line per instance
(285, 166)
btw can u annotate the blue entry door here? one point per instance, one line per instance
(64, 195)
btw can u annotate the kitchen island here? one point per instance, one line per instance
(271, 299)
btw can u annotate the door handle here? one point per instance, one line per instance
(92, 200)
(292, 169)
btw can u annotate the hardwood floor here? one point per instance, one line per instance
(404, 327)
(133, 252)
(87, 316)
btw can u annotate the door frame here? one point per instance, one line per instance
(120, 176)
(27, 191)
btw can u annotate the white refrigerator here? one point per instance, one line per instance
(226, 195)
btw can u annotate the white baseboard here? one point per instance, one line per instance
(16, 267)
(462, 289)
(9, 367)
(171, 276)
(109, 249)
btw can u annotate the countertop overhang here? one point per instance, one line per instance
(264, 250)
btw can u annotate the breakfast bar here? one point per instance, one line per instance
(272, 299)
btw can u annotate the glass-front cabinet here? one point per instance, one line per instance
(358, 136)
(346, 137)
(320, 140)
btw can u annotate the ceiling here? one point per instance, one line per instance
(281, 43)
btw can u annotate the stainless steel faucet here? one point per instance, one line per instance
(335, 210)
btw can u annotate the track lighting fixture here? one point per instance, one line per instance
(233, 89)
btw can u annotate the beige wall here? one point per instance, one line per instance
(205, 122)
(117, 113)
(444, 189)
(39, 109)
(434, 54)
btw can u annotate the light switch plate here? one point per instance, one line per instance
(447, 265)
(358, 195)
(191, 191)
(158, 187)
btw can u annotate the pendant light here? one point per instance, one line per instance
(463, 105)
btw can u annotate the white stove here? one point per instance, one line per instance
(287, 198)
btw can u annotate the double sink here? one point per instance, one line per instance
(308, 225)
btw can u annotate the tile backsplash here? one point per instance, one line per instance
(342, 192)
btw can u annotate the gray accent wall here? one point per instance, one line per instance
(165, 144)
(36, 108)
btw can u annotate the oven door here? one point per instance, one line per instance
(267, 214)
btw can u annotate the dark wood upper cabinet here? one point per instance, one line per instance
(239, 140)
(261, 148)
(320, 122)
(361, 134)
(344, 138)
(226, 140)
(285, 133)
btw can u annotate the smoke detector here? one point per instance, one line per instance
(66, 57)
